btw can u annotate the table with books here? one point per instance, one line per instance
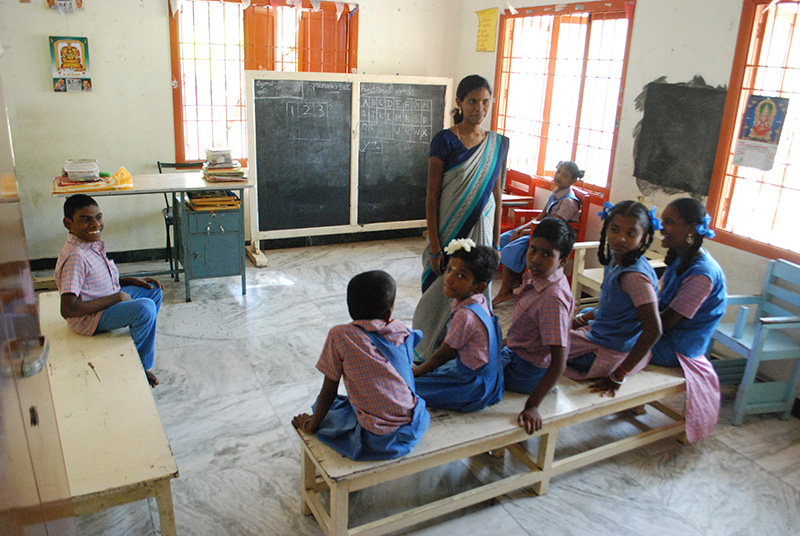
(208, 214)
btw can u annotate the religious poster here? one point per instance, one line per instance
(65, 7)
(69, 57)
(760, 132)
(487, 29)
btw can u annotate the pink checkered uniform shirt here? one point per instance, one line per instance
(381, 397)
(566, 209)
(541, 318)
(84, 269)
(702, 382)
(467, 333)
(641, 291)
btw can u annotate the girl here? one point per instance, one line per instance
(692, 302)
(466, 171)
(610, 341)
(465, 374)
(562, 203)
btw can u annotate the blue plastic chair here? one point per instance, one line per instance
(774, 334)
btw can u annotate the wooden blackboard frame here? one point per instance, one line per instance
(251, 199)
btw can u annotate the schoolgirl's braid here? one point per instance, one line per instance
(692, 212)
(626, 208)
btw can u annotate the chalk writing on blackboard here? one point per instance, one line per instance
(398, 118)
(308, 121)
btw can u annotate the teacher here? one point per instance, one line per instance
(466, 173)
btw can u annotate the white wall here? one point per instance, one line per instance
(127, 119)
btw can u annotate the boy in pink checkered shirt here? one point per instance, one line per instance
(535, 350)
(382, 417)
(94, 298)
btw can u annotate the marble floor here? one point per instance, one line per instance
(234, 369)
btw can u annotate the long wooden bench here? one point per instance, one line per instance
(453, 436)
(113, 442)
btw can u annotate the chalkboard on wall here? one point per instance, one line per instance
(396, 124)
(677, 143)
(302, 133)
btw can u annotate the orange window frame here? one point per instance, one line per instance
(743, 71)
(609, 9)
(326, 43)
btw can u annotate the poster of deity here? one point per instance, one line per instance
(760, 131)
(69, 57)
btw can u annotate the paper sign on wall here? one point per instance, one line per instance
(69, 57)
(487, 29)
(760, 132)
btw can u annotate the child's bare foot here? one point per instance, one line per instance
(151, 378)
(502, 296)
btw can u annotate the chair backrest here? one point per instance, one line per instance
(781, 290)
(179, 166)
(519, 183)
(585, 199)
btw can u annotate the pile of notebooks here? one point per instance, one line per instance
(220, 167)
(213, 200)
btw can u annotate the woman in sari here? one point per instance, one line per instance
(466, 173)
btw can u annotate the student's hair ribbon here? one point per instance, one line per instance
(606, 209)
(654, 220)
(703, 227)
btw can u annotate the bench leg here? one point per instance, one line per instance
(639, 410)
(544, 459)
(166, 511)
(308, 477)
(340, 505)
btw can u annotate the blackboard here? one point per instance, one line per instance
(302, 144)
(396, 124)
(677, 143)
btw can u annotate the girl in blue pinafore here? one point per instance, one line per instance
(692, 302)
(465, 373)
(614, 339)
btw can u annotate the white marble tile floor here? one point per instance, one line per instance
(234, 369)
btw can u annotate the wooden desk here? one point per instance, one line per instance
(511, 200)
(114, 445)
(221, 252)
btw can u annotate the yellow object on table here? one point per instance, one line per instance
(121, 180)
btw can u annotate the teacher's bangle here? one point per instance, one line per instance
(437, 255)
(496, 247)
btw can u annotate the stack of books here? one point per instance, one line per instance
(224, 172)
(213, 200)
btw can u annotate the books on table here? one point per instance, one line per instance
(224, 172)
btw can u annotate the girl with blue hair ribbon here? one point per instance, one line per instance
(613, 340)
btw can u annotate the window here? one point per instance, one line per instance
(755, 210)
(559, 86)
(213, 42)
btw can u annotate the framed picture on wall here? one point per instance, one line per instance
(69, 58)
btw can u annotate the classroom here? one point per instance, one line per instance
(234, 367)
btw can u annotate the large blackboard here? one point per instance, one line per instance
(396, 124)
(302, 144)
(677, 143)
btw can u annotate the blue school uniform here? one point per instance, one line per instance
(616, 323)
(458, 387)
(512, 255)
(342, 432)
(690, 336)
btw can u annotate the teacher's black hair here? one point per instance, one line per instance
(465, 87)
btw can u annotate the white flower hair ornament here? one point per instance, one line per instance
(459, 243)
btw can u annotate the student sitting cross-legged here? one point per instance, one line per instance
(534, 355)
(464, 374)
(94, 298)
(381, 418)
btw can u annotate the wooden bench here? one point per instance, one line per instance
(453, 436)
(114, 445)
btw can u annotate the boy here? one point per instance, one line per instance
(381, 418)
(562, 203)
(94, 298)
(535, 350)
